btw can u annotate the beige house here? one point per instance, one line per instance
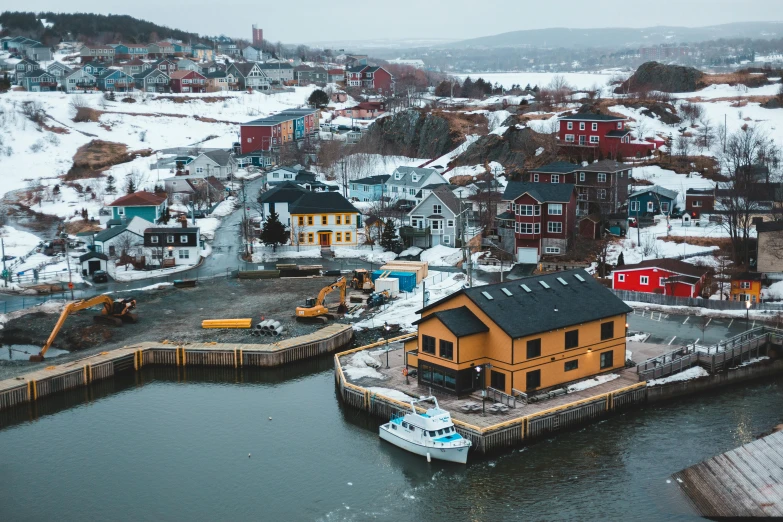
(770, 249)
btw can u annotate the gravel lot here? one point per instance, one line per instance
(169, 313)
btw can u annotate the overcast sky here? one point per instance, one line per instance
(298, 21)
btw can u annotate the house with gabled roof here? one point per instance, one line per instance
(603, 134)
(218, 81)
(59, 70)
(202, 52)
(526, 335)
(129, 51)
(187, 65)
(369, 188)
(39, 81)
(541, 218)
(370, 77)
(187, 82)
(151, 80)
(651, 200)
(166, 65)
(23, 67)
(94, 68)
(434, 221)
(406, 182)
(114, 80)
(160, 49)
(661, 276)
(39, 52)
(324, 218)
(126, 235)
(280, 72)
(146, 205)
(135, 66)
(99, 53)
(79, 80)
(249, 76)
(218, 163)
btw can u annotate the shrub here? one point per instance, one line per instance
(84, 114)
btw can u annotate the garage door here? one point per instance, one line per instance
(527, 255)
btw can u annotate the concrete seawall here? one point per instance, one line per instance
(54, 379)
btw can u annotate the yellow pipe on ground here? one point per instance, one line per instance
(227, 323)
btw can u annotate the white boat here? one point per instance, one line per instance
(430, 434)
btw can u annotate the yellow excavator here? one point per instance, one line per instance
(314, 308)
(114, 313)
(362, 281)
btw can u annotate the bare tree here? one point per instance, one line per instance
(706, 134)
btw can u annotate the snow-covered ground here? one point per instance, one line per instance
(441, 256)
(585, 80)
(391, 393)
(691, 373)
(377, 256)
(595, 381)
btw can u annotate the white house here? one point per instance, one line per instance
(127, 236)
(172, 246)
(79, 80)
(405, 183)
(218, 163)
(278, 200)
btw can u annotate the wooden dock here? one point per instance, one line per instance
(82, 372)
(744, 482)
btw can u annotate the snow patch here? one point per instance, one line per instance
(691, 373)
(595, 381)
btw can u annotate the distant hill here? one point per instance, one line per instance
(88, 26)
(617, 37)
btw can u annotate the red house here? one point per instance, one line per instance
(188, 81)
(370, 77)
(542, 217)
(664, 276)
(698, 201)
(265, 134)
(602, 133)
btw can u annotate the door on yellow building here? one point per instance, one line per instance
(325, 238)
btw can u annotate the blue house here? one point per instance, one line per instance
(114, 80)
(145, 205)
(94, 68)
(130, 50)
(368, 189)
(39, 81)
(649, 201)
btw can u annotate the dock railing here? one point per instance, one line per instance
(501, 397)
(714, 358)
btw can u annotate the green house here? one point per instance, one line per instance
(145, 205)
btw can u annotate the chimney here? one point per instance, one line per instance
(183, 220)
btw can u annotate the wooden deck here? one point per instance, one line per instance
(394, 379)
(744, 482)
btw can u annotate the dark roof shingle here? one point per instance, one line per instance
(460, 321)
(670, 265)
(558, 167)
(542, 192)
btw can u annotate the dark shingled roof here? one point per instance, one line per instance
(542, 192)
(605, 166)
(526, 313)
(286, 192)
(460, 321)
(372, 180)
(769, 226)
(558, 167)
(447, 197)
(617, 133)
(321, 202)
(671, 265)
(92, 255)
(592, 117)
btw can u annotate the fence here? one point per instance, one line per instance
(747, 345)
(669, 300)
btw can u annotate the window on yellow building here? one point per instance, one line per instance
(301, 221)
(446, 349)
(347, 237)
(428, 344)
(744, 284)
(571, 365)
(339, 237)
(533, 348)
(309, 220)
(348, 219)
(606, 360)
(607, 330)
(309, 237)
(324, 220)
(337, 220)
(498, 380)
(571, 339)
(301, 237)
(533, 379)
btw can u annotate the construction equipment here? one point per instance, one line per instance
(114, 313)
(314, 308)
(377, 298)
(362, 281)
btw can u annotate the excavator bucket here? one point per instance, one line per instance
(36, 358)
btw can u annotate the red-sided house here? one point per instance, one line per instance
(698, 201)
(370, 77)
(363, 111)
(269, 133)
(661, 276)
(542, 217)
(602, 133)
(187, 81)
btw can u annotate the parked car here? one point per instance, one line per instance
(100, 276)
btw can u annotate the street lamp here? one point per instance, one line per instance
(747, 314)
(479, 371)
(386, 335)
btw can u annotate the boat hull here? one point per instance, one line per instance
(458, 454)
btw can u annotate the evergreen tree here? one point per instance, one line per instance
(274, 232)
(110, 188)
(527, 87)
(130, 186)
(620, 260)
(318, 98)
(389, 235)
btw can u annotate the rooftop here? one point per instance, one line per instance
(543, 303)
(655, 189)
(592, 117)
(606, 165)
(670, 265)
(139, 199)
(372, 180)
(558, 167)
(541, 192)
(321, 202)
(460, 321)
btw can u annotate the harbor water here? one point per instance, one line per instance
(198, 444)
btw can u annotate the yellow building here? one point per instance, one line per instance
(325, 219)
(746, 287)
(525, 335)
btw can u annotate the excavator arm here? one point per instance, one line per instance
(318, 308)
(108, 309)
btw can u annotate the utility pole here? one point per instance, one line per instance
(5, 271)
(68, 264)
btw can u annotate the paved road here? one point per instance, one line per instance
(679, 330)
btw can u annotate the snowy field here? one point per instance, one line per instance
(584, 80)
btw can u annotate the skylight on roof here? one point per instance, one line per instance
(562, 281)
(543, 283)
(507, 291)
(486, 294)
(525, 288)
(582, 279)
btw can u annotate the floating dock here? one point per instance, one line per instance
(82, 372)
(742, 483)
